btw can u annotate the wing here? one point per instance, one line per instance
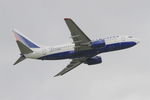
(82, 42)
(73, 64)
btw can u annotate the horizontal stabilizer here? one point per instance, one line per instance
(19, 60)
(23, 48)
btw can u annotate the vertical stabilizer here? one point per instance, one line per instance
(23, 39)
(24, 44)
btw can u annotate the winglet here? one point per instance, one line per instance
(67, 18)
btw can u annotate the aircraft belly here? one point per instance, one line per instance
(69, 55)
(87, 53)
(116, 46)
(57, 56)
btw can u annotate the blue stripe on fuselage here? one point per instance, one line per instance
(93, 52)
(116, 46)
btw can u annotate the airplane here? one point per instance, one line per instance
(82, 50)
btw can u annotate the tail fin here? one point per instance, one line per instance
(23, 39)
(24, 45)
(24, 50)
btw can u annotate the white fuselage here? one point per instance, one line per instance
(39, 52)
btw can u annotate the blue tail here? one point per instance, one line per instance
(24, 40)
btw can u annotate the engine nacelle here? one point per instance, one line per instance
(98, 44)
(93, 60)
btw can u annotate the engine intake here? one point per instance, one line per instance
(93, 60)
(98, 44)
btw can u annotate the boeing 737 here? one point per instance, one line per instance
(82, 50)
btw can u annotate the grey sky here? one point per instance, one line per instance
(123, 75)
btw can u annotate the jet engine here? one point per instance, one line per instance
(98, 44)
(93, 60)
